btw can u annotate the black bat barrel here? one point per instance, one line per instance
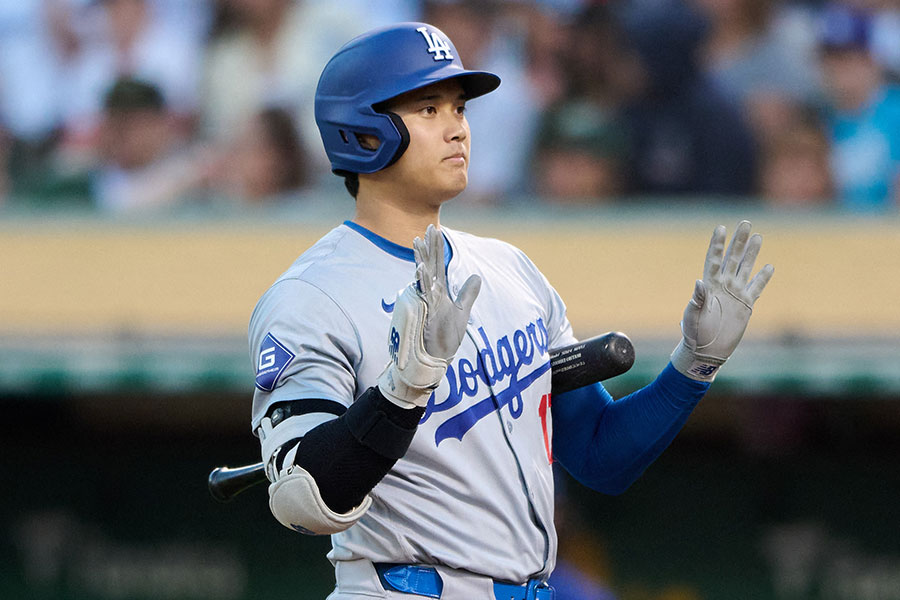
(592, 360)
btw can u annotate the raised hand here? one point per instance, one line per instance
(720, 307)
(427, 326)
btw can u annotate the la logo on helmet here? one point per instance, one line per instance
(436, 44)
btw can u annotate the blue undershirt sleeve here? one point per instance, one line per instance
(607, 444)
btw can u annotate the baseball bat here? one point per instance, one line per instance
(574, 366)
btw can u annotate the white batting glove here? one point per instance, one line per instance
(427, 326)
(719, 310)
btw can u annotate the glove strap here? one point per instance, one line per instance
(393, 386)
(695, 366)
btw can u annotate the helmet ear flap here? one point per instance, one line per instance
(404, 137)
(394, 135)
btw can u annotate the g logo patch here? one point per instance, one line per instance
(272, 361)
(266, 358)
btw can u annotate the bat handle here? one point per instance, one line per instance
(225, 482)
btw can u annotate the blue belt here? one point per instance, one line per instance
(426, 581)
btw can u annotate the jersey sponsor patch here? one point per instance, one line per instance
(273, 360)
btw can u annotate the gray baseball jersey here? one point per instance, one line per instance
(475, 489)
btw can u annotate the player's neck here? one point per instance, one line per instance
(395, 220)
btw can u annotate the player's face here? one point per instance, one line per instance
(435, 165)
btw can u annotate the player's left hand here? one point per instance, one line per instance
(720, 308)
(445, 324)
(427, 326)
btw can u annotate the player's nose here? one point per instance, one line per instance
(456, 128)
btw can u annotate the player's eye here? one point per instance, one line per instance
(429, 110)
(461, 109)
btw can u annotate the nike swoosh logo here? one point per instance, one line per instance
(388, 308)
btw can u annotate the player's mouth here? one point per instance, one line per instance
(456, 159)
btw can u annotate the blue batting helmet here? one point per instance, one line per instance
(372, 68)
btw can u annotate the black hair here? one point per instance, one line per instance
(128, 93)
(351, 182)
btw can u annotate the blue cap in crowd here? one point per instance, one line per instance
(844, 28)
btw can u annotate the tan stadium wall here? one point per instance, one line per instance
(833, 277)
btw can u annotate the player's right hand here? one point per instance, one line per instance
(427, 326)
(720, 307)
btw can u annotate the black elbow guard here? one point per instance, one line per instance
(348, 456)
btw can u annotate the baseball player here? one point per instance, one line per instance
(416, 426)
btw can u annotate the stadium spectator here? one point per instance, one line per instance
(123, 38)
(885, 32)
(545, 47)
(584, 141)
(683, 97)
(795, 170)
(267, 162)
(29, 70)
(145, 163)
(34, 39)
(269, 53)
(582, 155)
(886, 37)
(763, 56)
(599, 63)
(864, 115)
(687, 137)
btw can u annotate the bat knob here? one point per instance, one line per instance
(214, 484)
(226, 482)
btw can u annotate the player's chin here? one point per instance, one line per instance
(458, 185)
(451, 184)
(457, 176)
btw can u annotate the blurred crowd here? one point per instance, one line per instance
(126, 105)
